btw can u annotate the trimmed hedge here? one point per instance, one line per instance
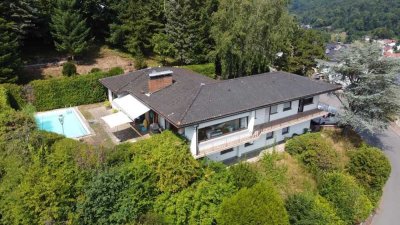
(15, 97)
(4, 103)
(70, 91)
(309, 209)
(348, 198)
(371, 168)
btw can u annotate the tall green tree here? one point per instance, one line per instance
(9, 53)
(23, 14)
(135, 24)
(249, 34)
(69, 29)
(371, 87)
(188, 28)
(300, 56)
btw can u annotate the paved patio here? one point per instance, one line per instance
(103, 134)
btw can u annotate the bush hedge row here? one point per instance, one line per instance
(4, 104)
(15, 97)
(70, 91)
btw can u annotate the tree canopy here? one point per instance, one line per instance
(371, 87)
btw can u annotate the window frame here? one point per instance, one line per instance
(270, 110)
(288, 130)
(287, 108)
(269, 137)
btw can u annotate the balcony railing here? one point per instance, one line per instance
(259, 130)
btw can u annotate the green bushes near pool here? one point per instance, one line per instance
(70, 91)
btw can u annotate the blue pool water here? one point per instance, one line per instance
(73, 126)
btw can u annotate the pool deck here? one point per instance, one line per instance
(103, 134)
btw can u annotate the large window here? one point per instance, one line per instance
(274, 109)
(287, 106)
(220, 129)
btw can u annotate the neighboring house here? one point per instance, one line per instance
(220, 119)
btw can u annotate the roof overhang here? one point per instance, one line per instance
(116, 119)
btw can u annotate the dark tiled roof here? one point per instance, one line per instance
(194, 98)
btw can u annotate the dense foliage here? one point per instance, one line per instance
(309, 209)
(69, 91)
(357, 17)
(9, 55)
(260, 204)
(69, 28)
(370, 87)
(348, 198)
(371, 168)
(69, 69)
(249, 34)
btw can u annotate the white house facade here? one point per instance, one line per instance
(220, 119)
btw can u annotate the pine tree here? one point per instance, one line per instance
(136, 23)
(9, 57)
(69, 30)
(22, 14)
(188, 28)
(372, 88)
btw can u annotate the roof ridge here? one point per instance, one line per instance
(190, 106)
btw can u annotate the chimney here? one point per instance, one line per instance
(159, 80)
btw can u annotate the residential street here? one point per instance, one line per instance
(389, 141)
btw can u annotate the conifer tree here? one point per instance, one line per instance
(371, 87)
(9, 56)
(69, 29)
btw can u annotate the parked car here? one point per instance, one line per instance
(329, 119)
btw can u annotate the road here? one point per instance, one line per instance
(388, 212)
(389, 209)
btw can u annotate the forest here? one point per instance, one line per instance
(240, 37)
(377, 18)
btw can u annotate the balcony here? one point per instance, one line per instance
(239, 138)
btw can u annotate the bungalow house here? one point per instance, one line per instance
(220, 119)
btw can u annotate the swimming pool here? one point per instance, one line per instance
(67, 122)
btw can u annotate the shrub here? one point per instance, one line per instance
(69, 69)
(198, 204)
(115, 71)
(4, 103)
(140, 62)
(305, 142)
(95, 70)
(207, 69)
(244, 175)
(309, 209)
(15, 97)
(371, 168)
(347, 197)
(68, 91)
(260, 204)
(162, 152)
(324, 159)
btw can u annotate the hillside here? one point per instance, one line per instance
(357, 17)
